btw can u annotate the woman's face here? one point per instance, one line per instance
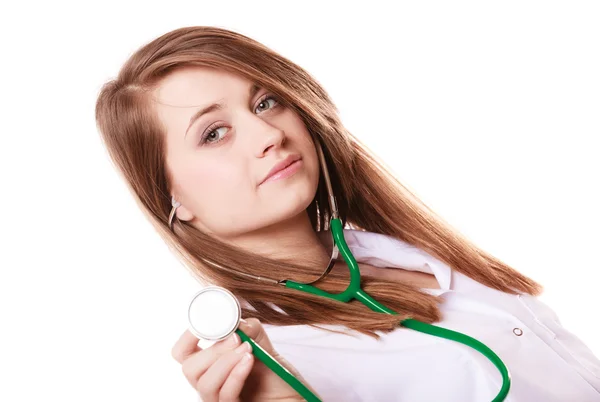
(218, 160)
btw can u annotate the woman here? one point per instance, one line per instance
(200, 122)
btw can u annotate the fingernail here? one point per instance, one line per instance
(246, 359)
(244, 347)
(234, 339)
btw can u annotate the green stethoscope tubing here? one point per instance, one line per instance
(354, 291)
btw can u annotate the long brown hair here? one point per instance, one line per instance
(369, 197)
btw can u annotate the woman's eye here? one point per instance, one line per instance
(210, 137)
(264, 102)
(213, 136)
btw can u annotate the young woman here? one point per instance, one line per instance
(200, 122)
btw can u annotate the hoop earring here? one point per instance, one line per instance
(175, 204)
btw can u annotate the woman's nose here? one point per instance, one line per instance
(270, 138)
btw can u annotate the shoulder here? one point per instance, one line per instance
(570, 347)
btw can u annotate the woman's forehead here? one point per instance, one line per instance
(198, 87)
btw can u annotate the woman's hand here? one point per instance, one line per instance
(227, 371)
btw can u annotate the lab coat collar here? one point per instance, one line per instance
(382, 250)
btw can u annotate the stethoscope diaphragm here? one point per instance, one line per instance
(214, 313)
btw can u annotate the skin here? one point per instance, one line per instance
(217, 183)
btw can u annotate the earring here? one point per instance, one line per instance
(175, 204)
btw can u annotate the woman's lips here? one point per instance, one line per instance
(287, 172)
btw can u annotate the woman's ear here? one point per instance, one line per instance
(183, 214)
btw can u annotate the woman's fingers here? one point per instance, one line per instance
(254, 329)
(231, 390)
(186, 345)
(221, 371)
(196, 365)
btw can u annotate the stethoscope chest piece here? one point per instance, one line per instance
(214, 313)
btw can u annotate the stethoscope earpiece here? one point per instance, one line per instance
(175, 204)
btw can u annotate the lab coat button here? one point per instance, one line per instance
(518, 331)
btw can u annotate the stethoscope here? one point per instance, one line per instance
(214, 312)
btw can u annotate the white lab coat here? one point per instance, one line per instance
(547, 363)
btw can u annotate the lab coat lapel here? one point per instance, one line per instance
(381, 250)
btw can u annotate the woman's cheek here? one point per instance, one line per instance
(222, 180)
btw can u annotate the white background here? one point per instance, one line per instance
(489, 112)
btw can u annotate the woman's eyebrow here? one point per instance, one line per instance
(254, 88)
